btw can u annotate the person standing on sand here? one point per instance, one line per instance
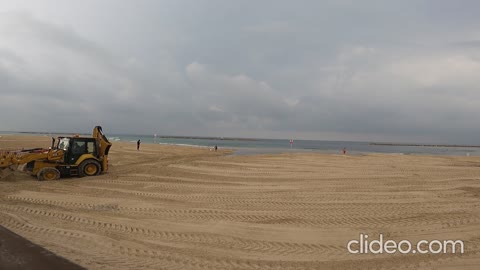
(344, 151)
(216, 148)
(138, 145)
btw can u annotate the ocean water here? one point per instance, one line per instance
(259, 146)
(263, 146)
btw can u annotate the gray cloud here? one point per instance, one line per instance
(317, 69)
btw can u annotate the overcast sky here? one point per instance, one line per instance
(336, 70)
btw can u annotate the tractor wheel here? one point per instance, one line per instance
(48, 174)
(89, 167)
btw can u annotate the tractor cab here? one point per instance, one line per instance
(75, 147)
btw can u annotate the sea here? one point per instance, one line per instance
(267, 146)
(271, 146)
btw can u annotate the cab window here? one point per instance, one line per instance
(63, 144)
(91, 148)
(78, 147)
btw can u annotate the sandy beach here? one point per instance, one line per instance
(172, 207)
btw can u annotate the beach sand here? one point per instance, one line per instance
(171, 207)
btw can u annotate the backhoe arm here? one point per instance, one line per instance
(104, 146)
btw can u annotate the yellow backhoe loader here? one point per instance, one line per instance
(69, 156)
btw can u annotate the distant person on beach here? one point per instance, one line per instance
(344, 151)
(216, 148)
(138, 145)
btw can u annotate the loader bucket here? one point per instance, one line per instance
(6, 166)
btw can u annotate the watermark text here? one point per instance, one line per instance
(365, 245)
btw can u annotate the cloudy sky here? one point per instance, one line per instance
(336, 70)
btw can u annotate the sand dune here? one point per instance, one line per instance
(169, 207)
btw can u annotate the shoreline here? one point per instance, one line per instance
(426, 145)
(112, 138)
(260, 150)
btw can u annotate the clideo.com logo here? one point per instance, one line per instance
(365, 245)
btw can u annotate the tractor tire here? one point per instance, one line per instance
(48, 174)
(89, 167)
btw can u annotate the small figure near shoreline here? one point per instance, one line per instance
(138, 145)
(216, 148)
(344, 151)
